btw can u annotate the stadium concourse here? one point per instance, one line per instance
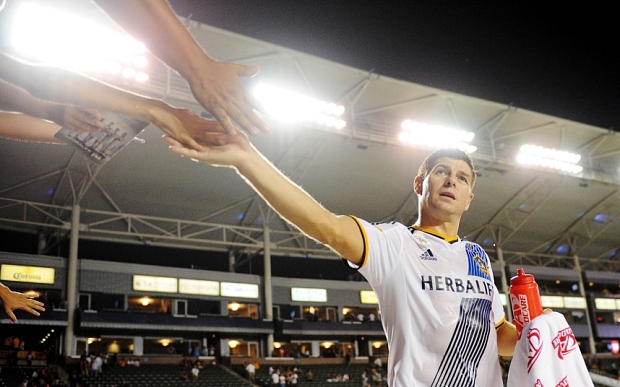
(150, 256)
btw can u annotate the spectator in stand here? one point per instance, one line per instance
(275, 378)
(251, 369)
(84, 365)
(297, 355)
(309, 375)
(282, 378)
(95, 366)
(374, 375)
(379, 379)
(195, 372)
(377, 362)
(16, 342)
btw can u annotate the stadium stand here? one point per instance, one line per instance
(163, 376)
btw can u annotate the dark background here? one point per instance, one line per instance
(553, 59)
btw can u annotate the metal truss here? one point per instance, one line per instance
(158, 231)
(588, 227)
(516, 212)
(178, 233)
(558, 261)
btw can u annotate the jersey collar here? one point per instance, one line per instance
(437, 234)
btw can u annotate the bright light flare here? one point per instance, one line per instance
(64, 40)
(141, 77)
(549, 158)
(436, 136)
(291, 107)
(144, 301)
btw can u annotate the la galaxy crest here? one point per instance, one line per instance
(478, 262)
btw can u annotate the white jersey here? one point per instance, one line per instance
(439, 306)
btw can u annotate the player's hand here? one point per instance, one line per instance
(189, 129)
(231, 152)
(217, 87)
(15, 300)
(76, 118)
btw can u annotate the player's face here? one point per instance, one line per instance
(447, 188)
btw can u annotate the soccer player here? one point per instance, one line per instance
(440, 309)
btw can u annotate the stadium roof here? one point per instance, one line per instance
(145, 195)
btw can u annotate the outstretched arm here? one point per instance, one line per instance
(341, 233)
(22, 127)
(15, 99)
(58, 85)
(216, 85)
(15, 300)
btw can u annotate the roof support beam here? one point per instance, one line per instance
(526, 131)
(397, 105)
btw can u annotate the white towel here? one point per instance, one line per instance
(547, 355)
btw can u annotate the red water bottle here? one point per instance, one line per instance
(525, 299)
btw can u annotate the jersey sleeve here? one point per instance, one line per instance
(499, 316)
(383, 244)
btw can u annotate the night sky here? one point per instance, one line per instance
(556, 60)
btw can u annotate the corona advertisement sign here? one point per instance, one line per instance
(30, 274)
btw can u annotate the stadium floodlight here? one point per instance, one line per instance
(60, 39)
(436, 136)
(291, 107)
(549, 158)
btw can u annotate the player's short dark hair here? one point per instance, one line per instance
(452, 153)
